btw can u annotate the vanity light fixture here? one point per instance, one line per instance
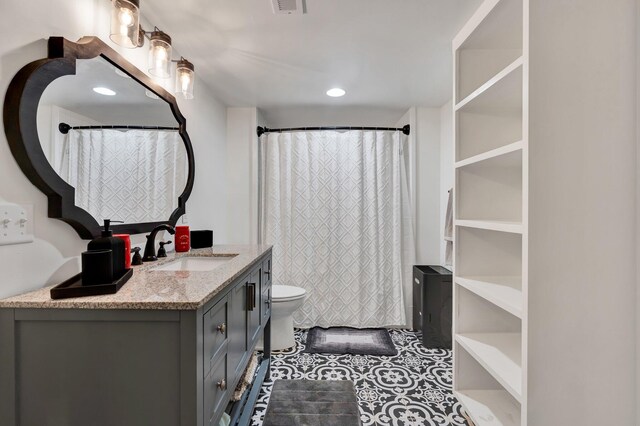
(104, 91)
(336, 92)
(159, 54)
(126, 32)
(125, 23)
(185, 76)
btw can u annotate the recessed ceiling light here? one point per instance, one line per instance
(336, 92)
(104, 91)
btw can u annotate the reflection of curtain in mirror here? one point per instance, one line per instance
(133, 175)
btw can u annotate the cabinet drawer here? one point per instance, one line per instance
(216, 390)
(215, 332)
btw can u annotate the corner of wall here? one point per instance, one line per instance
(427, 134)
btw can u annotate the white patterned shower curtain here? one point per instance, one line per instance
(335, 206)
(133, 176)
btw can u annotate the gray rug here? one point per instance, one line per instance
(348, 340)
(312, 403)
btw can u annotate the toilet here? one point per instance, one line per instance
(285, 300)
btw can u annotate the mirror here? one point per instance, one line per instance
(106, 141)
(120, 150)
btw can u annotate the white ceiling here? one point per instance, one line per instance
(385, 53)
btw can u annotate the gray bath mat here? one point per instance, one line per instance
(312, 403)
(348, 340)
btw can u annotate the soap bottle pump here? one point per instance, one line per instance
(108, 242)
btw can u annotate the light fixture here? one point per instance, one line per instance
(125, 23)
(336, 92)
(185, 76)
(159, 54)
(104, 91)
(126, 31)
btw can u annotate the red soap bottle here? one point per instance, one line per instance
(182, 238)
(127, 249)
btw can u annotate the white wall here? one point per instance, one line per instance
(312, 116)
(637, 331)
(242, 179)
(427, 201)
(53, 256)
(207, 127)
(446, 169)
(582, 213)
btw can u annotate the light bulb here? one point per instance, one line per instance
(184, 78)
(160, 54)
(125, 16)
(185, 81)
(125, 20)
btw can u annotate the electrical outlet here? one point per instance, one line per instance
(16, 224)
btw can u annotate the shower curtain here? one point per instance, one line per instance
(133, 176)
(336, 208)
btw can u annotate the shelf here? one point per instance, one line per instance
(497, 24)
(492, 225)
(488, 155)
(504, 90)
(491, 190)
(503, 291)
(500, 354)
(490, 407)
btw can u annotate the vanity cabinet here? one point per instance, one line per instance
(158, 367)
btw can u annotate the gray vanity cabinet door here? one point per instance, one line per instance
(255, 306)
(215, 327)
(216, 390)
(238, 326)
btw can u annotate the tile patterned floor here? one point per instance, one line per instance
(412, 388)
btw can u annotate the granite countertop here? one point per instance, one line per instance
(147, 289)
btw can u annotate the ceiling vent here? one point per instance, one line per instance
(288, 7)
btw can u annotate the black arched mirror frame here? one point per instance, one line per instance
(20, 124)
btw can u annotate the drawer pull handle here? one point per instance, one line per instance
(222, 328)
(222, 384)
(251, 296)
(267, 302)
(267, 272)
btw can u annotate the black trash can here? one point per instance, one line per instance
(433, 305)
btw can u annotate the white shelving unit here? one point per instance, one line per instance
(490, 220)
(545, 208)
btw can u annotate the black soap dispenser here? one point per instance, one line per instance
(108, 242)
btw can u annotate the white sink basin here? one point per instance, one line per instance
(195, 263)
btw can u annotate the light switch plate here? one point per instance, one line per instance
(16, 224)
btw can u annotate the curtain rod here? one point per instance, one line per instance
(64, 127)
(261, 130)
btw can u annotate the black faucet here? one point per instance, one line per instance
(150, 247)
